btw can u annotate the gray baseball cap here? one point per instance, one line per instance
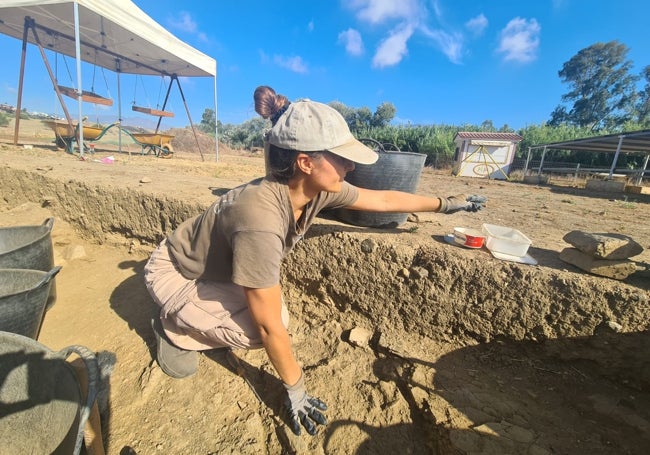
(309, 126)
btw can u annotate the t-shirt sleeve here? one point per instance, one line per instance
(256, 259)
(348, 195)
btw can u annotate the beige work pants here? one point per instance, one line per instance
(199, 314)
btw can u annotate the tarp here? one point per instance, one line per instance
(109, 30)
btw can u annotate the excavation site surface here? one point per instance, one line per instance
(418, 346)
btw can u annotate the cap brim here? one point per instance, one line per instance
(354, 150)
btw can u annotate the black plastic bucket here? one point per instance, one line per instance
(394, 170)
(29, 247)
(23, 296)
(42, 407)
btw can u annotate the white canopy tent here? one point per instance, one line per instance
(115, 34)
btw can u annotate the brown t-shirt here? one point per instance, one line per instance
(244, 235)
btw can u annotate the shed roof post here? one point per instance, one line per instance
(618, 151)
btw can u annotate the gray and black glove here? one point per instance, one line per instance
(459, 202)
(304, 409)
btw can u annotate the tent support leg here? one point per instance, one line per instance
(20, 82)
(189, 116)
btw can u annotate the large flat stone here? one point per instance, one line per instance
(618, 269)
(604, 246)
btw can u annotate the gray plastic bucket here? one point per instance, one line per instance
(23, 296)
(42, 409)
(29, 247)
(394, 170)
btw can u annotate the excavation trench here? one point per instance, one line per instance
(465, 354)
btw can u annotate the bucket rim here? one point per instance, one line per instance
(45, 227)
(44, 278)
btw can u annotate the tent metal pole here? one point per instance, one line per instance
(20, 82)
(618, 151)
(216, 120)
(119, 106)
(169, 89)
(189, 116)
(77, 43)
(52, 76)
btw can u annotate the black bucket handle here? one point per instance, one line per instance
(49, 222)
(375, 145)
(48, 276)
(379, 146)
(92, 367)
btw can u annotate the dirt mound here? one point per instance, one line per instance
(185, 141)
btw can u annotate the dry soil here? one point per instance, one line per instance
(466, 354)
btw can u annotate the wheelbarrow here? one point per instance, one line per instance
(65, 136)
(158, 143)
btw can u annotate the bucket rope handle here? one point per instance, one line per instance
(48, 276)
(379, 147)
(376, 145)
(92, 367)
(49, 222)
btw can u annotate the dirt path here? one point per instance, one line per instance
(468, 354)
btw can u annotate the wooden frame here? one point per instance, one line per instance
(149, 111)
(86, 96)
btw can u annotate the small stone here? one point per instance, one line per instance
(368, 246)
(419, 272)
(145, 180)
(404, 273)
(615, 326)
(360, 337)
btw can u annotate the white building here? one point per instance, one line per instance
(485, 155)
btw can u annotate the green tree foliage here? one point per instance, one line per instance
(208, 122)
(362, 118)
(248, 135)
(4, 119)
(643, 108)
(602, 90)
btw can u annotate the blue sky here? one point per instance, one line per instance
(438, 61)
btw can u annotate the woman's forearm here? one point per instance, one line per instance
(265, 306)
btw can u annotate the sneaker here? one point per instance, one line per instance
(174, 361)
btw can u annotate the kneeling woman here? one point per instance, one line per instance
(216, 278)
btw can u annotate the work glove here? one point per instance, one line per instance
(303, 409)
(459, 202)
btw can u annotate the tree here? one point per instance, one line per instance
(208, 121)
(488, 126)
(602, 90)
(643, 108)
(362, 119)
(383, 115)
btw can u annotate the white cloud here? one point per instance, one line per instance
(451, 44)
(520, 40)
(184, 22)
(295, 64)
(378, 11)
(310, 26)
(392, 50)
(477, 25)
(352, 41)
